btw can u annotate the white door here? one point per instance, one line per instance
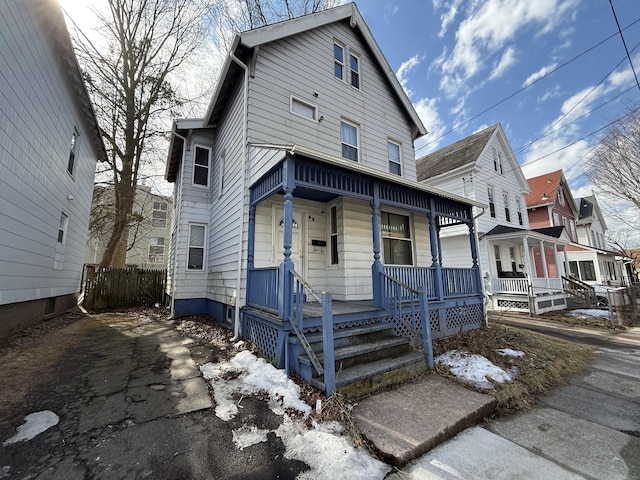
(297, 240)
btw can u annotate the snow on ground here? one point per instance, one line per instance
(473, 369)
(35, 424)
(590, 313)
(329, 454)
(507, 352)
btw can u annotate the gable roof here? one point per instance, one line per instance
(588, 208)
(243, 43)
(454, 156)
(544, 189)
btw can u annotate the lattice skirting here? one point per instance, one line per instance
(444, 321)
(268, 338)
(513, 305)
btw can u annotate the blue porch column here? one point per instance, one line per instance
(474, 256)
(377, 267)
(285, 293)
(251, 237)
(434, 241)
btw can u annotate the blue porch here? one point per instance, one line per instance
(305, 330)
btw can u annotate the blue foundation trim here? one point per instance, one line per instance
(204, 306)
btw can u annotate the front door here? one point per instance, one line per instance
(297, 240)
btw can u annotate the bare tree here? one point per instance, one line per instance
(614, 165)
(132, 75)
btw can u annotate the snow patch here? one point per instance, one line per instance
(507, 352)
(473, 369)
(35, 424)
(246, 436)
(590, 313)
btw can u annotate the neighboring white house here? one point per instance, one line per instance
(149, 237)
(483, 167)
(49, 145)
(302, 172)
(591, 261)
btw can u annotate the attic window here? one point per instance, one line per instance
(304, 109)
(354, 63)
(561, 196)
(497, 161)
(338, 60)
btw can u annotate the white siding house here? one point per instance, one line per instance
(49, 145)
(302, 172)
(483, 167)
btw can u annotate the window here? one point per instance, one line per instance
(303, 109)
(512, 257)
(223, 165)
(333, 232)
(492, 205)
(349, 138)
(195, 258)
(507, 212)
(156, 250)
(497, 161)
(394, 158)
(338, 61)
(72, 151)
(556, 219)
(519, 209)
(561, 196)
(587, 272)
(201, 166)
(396, 239)
(354, 63)
(574, 237)
(159, 215)
(496, 253)
(62, 229)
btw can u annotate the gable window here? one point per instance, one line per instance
(354, 64)
(556, 219)
(159, 215)
(72, 151)
(395, 165)
(303, 109)
(519, 209)
(349, 139)
(338, 60)
(201, 166)
(156, 250)
(507, 212)
(195, 256)
(497, 161)
(561, 196)
(333, 232)
(62, 229)
(396, 239)
(492, 205)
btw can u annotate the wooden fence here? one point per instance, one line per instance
(123, 287)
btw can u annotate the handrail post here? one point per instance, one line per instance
(426, 326)
(327, 341)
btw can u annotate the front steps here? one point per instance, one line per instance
(368, 358)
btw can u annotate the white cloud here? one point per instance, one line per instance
(447, 18)
(485, 31)
(405, 68)
(508, 58)
(538, 75)
(428, 112)
(389, 11)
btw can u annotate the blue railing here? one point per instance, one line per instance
(458, 282)
(264, 288)
(414, 277)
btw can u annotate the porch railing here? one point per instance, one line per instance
(413, 277)
(264, 288)
(456, 282)
(521, 285)
(459, 281)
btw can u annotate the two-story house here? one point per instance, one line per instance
(483, 167)
(49, 145)
(147, 239)
(301, 180)
(590, 261)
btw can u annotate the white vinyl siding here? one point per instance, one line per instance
(38, 115)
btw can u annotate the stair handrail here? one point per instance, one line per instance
(585, 291)
(397, 313)
(329, 369)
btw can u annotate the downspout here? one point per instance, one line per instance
(177, 238)
(245, 159)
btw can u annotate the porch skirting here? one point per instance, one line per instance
(220, 312)
(522, 303)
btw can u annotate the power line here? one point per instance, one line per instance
(509, 97)
(624, 43)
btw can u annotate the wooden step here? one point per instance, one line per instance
(364, 352)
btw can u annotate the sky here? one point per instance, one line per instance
(554, 73)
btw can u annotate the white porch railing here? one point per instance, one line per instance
(521, 285)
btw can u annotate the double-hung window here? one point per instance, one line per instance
(159, 215)
(492, 205)
(62, 229)
(156, 250)
(333, 232)
(396, 239)
(72, 152)
(519, 209)
(338, 60)
(201, 164)
(395, 165)
(195, 256)
(349, 139)
(507, 211)
(354, 64)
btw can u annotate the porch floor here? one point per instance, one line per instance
(339, 307)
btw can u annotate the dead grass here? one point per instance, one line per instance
(546, 364)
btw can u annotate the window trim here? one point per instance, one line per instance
(293, 99)
(358, 72)
(399, 162)
(208, 167)
(341, 63)
(343, 143)
(203, 247)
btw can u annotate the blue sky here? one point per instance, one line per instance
(457, 58)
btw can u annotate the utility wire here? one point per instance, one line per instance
(624, 43)
(462, 124)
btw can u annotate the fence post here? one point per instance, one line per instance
(327, 342)
(426, 326)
